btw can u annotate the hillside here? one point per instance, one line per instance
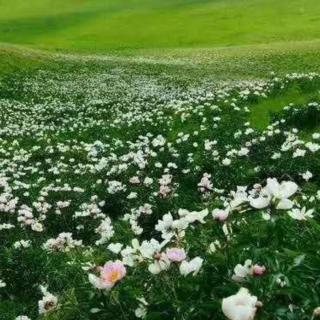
(101, 26)
(159, 159)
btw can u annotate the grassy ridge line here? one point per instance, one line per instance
(237, 62)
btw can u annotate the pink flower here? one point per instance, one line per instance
(258, 270)
(110, 274)
(205, 185)
(176, 254)
(221, 214)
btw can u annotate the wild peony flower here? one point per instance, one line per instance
(241, 306)
(48, 303)
(220, 214)
(242, 271)
(141, 311)
(301, 214)
(316, 312)
(192, 266)
(282, 191)
(205, 185)
(273, 192)
(115, 247)
(258, 270)
(161, 263)
(2, 284)
(110, 274)
(176, 254)
(307, 175)
(260, 200)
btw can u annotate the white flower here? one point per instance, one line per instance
(213, 246)
(105, 230)
(281, 192)
(161, 263)
(2, 284)
(226, 162)
(276, 155)
(192, 216)
(192, 266)
(242, 271)
(260, 200)
(132, 195)
(241, 306)
(307, 175)
(37, 226)
(165, 223)
(301, 214)
(48, 302)
(115, 247)
(22, 318)
(313, 147)
(141, 311)
(205, 184)
(299, 153)
(243, 152)
(239, 197)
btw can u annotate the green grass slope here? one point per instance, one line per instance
(239, 62)
(104, 25)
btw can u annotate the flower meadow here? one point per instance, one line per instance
(139, 198)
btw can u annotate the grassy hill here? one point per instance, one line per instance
(101, 26)
(157, 157)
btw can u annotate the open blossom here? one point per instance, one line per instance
(134, 180)
(258, 270)
(282, 190)
(161, 263)
(192, 266)
(141, 311)
(242, 271)
(239, 197)
(48, 303)
(301, 214)
(273, 192)
(110, 274)
(205, 185)
(221, 214)
(193, 216)
(241, 306)
(176, 254)
(226, 162)
(260, 199)
(307, 175)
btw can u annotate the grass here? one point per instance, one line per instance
(50, 123)
(101, 26)
(261, 112)
(240, 62)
